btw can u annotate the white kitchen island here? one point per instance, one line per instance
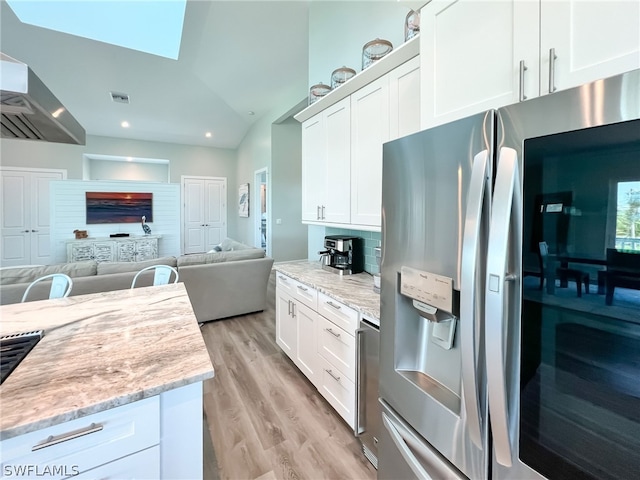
(113, 389)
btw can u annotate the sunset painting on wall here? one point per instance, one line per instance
(119, 207)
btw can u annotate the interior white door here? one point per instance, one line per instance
(215, 219)
(25, 222)
(205, 213)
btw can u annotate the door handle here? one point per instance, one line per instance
(521, 95)
(337, 335)
(34, 231)
(477, 214)
(323, 216)
(407, 443)
(552, 70)
(289, 311)
(506, 224)
(54, 440)
(318, 212)
(360, 395)
(330, 372)
(25, 231)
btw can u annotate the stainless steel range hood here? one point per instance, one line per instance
(30, 111)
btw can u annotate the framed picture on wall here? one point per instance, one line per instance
(243, 200)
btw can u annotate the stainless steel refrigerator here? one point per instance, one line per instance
(497, 361)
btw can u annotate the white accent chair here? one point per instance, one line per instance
(161, 275)
(61, 285)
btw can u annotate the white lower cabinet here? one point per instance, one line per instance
(141, 465)
(318, 334)
(122, 442)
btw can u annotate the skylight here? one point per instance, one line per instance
(150, 26)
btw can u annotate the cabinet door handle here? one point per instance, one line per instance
(289, 312)
(330, 330)
(25, 231)
(323, 212)
(293, 309)
(54, 440)
(552, 70)
(337, 307)
(337, 379)
(318, 212)
(283, 278)
(304, 289)
(523, 69)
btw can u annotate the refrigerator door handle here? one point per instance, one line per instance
(478, 196)
(360, 396)
(506, 214)
(402, 438)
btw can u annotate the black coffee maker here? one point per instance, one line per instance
(344, 254)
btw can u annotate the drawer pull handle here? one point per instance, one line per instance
(54, 440)
(283, 278)
(332, 332)
(304, 289)
(337, 379)
(337, 307)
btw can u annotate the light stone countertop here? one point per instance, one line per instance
(99, 351)
(356, 291)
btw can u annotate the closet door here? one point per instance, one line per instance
(25, 216)
(205, 213)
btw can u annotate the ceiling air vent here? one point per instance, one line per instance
(119, 97)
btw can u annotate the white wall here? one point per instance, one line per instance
(183, 159)
(130, 171)
(68, 213)
(289, 238)
(338, 30)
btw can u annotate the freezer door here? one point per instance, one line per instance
(405, 455)
(436, 189)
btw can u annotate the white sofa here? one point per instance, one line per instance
(220, 284)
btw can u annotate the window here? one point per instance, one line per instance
(628, 216)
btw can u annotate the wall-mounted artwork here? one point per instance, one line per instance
(119, 207)
(243, 200)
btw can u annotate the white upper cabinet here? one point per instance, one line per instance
(590, 39)
(369, 130)
(470, 56)
(335, 207)
(477, 55)
(326, 165)
(404, 99)
(314, 166)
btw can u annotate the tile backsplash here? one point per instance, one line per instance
(371, 240)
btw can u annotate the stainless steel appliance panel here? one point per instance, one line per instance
(426, 181)
(556, 372)
(368, 414)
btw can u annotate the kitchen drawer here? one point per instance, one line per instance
(343, 316)
(338, 390)
(298, 291)
(141, 465)
(337, 347)
(87, 442)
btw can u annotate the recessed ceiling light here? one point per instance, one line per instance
(250, 112)
(208, 134)
(124, 124)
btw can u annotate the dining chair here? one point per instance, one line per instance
(548, 272)
(61, 285)
(161, 274)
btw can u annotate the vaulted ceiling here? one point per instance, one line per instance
(236, 57)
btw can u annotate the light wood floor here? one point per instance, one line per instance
(265, 419)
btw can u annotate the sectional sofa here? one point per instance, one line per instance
(231, 281)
